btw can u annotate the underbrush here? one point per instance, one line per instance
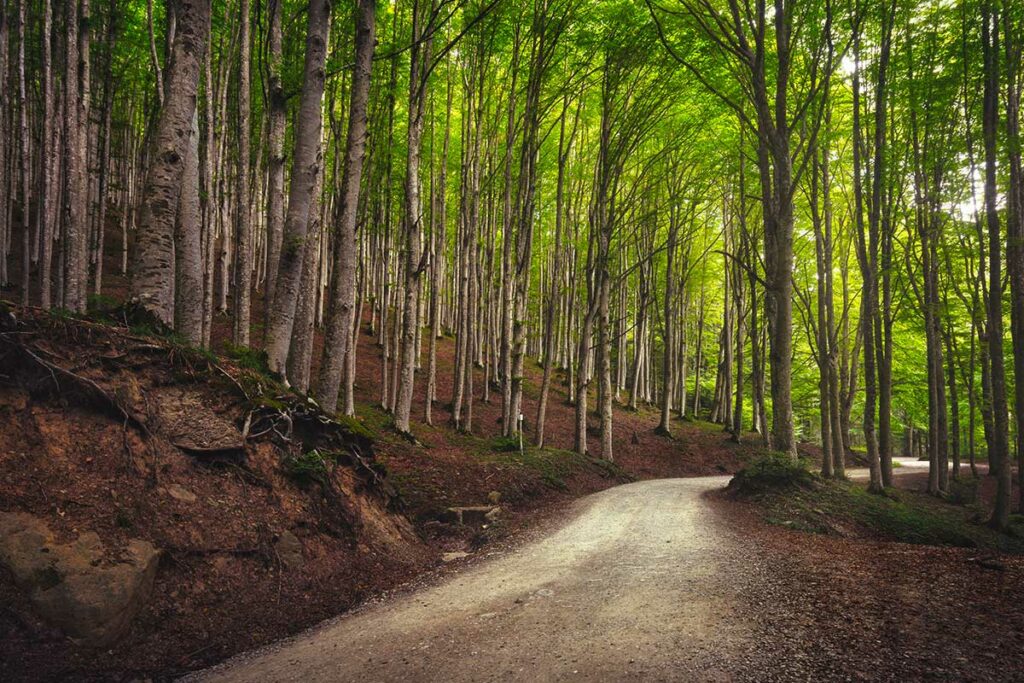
(789, 495)
(772, 473)
(555, 466)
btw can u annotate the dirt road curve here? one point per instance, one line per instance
(639, 584)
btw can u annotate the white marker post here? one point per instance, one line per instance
(520, 433)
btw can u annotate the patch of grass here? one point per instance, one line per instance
(248, 358)
(123, 520)
(772, 473)
(61, 313)
(902, 518)
(188, 357)
(101, 306)
(311, 466)
(378, 424)
(354, 426)
(505, 444)
(554, 466)
(846, 508)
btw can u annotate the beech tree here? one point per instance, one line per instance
(341, 317)
(153, 273)
(307, 157)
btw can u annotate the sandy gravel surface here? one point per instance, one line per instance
(665, 580)
(639, 584)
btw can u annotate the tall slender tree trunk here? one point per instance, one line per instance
(823, 330)
(276, 110)
(153, 273)
(507, 300)
(667, 375)
(76, 273)
(439, 218)
(243, 226)
(882, 323)
(1014, 42)
(104, 150)
(564, 147)
(300, 350)
(999, 451)
(341, 321)
(6, 153)
(305, 168)
(188, 286)
(418, 75)
(50, 150)
(23, 136)
(867, 256)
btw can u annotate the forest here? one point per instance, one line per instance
(801, 221)
(804, 219)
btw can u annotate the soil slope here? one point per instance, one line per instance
(113, 429)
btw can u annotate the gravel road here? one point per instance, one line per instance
(639, 583)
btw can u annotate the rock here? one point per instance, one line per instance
(13, 400)
(77, 586)
(181, 416)
(8, 321)
(449, 557)
(472, 515)
(178, 492)
(289, 549)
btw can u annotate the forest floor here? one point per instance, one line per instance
(222, 587)
(666, 580)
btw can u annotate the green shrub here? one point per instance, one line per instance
(773, 472)
(310, 466)
(963, 491)
(505, 444)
